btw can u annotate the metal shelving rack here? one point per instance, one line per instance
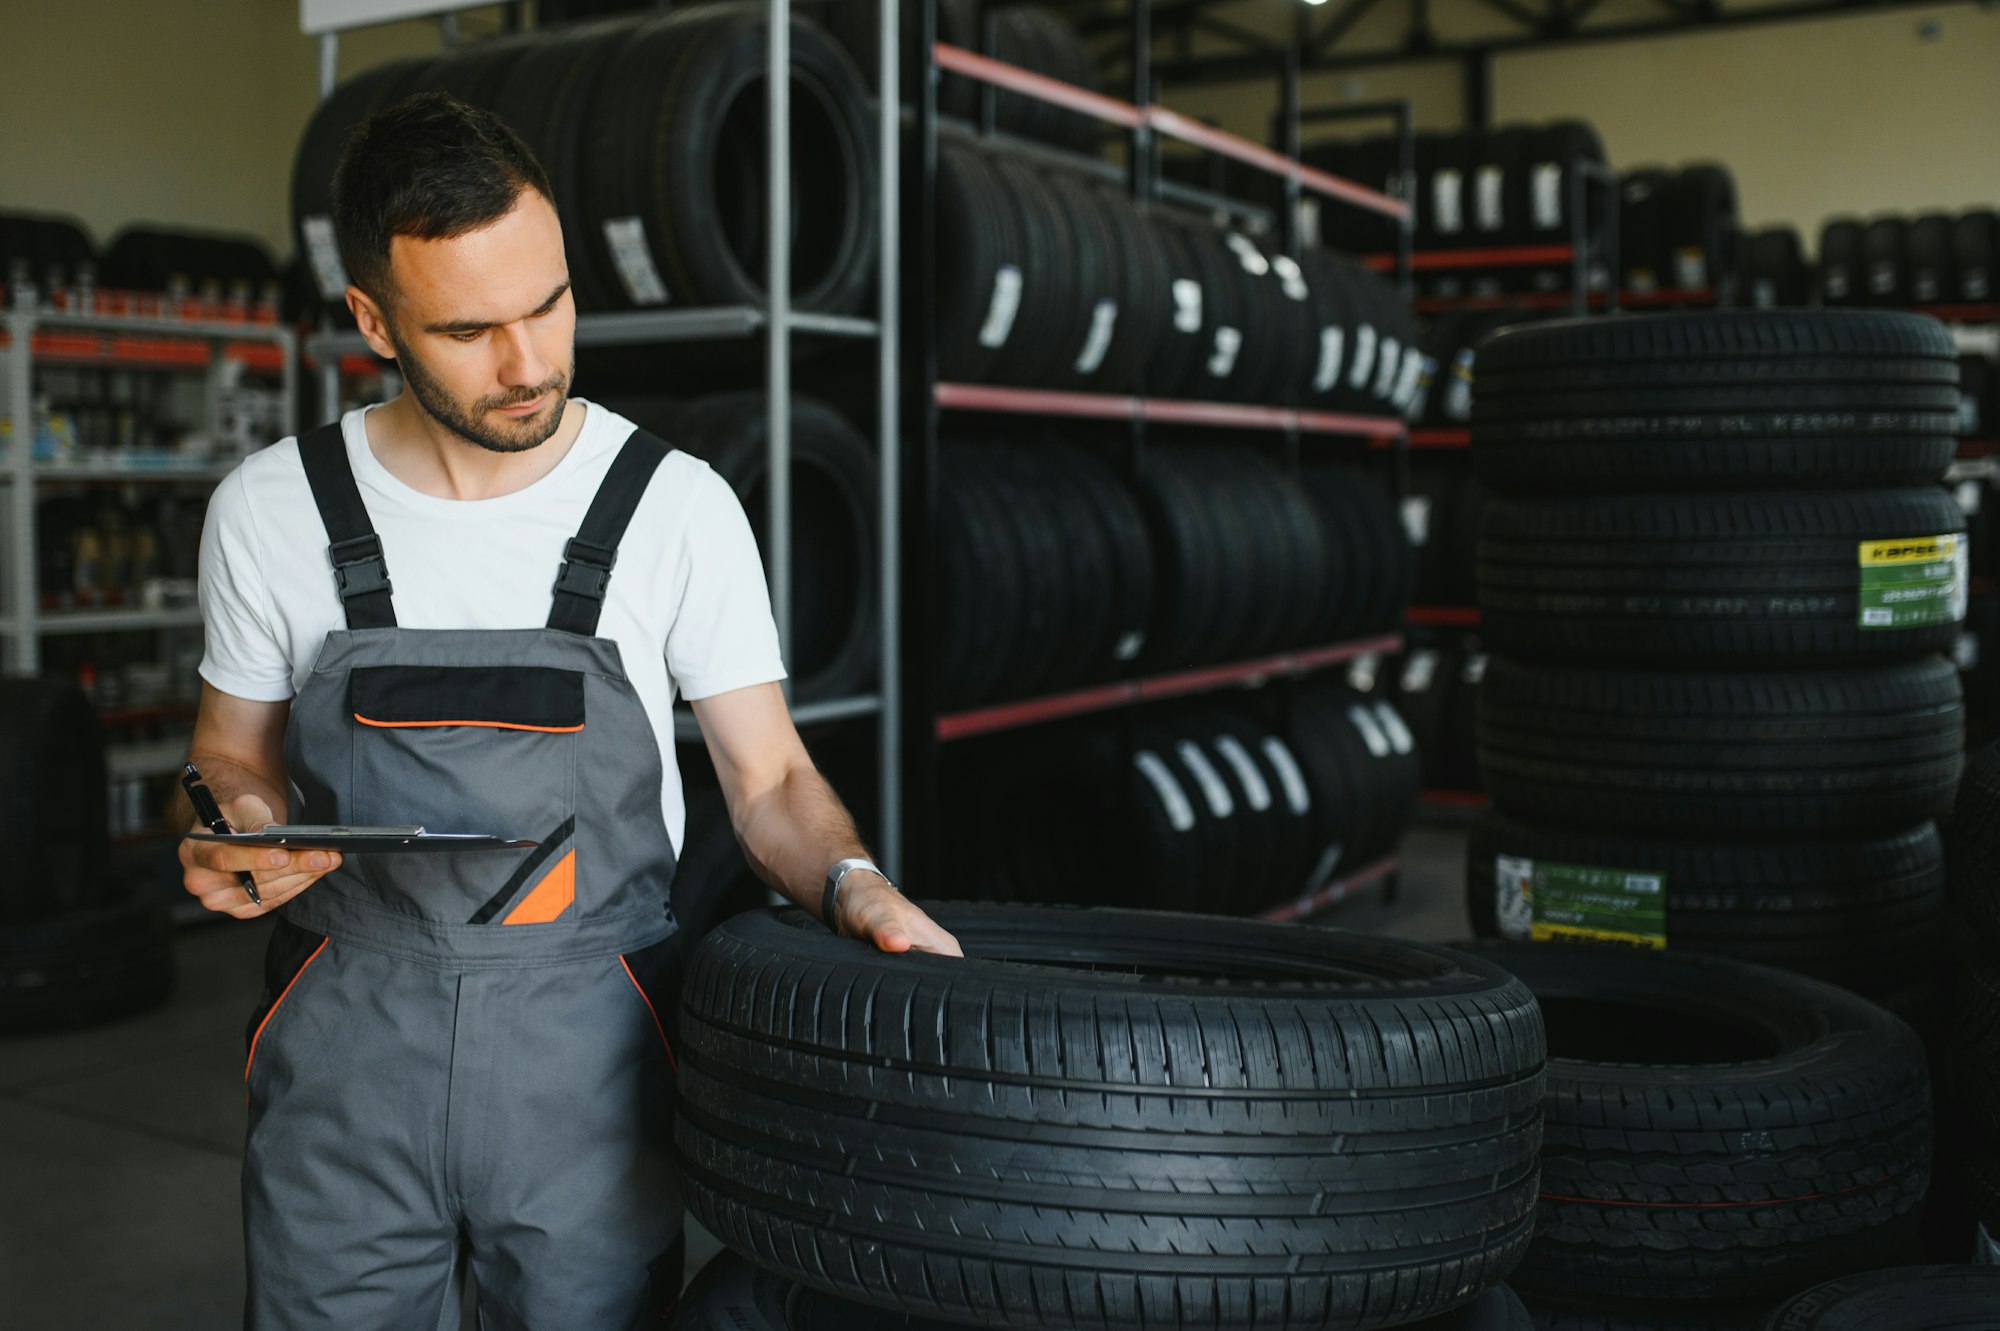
(777, 322)
(39, 333)
(1146, 122)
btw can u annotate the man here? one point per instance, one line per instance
(413, 617)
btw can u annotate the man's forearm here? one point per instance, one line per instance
(227, 779)
(795, 831)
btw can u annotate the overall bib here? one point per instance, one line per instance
(462, 1052)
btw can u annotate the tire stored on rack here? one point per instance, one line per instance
(1727, 399)
(1715, 1130)
(1905, 1298)
(1751, 753)
(1112, 1120)
(1800, 575)
(52, 793)
(1865, 913)
(836, 612)
(731, 1294)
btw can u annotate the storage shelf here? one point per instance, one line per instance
(147, 758)
(1454, 799)
(1467, 615)
(1500, 256)
(1165, 411)
(1968, 314)
(1448, 437)
(1125, 693)
(51, 622)
(1170, 124)
(1336, 891)
(149, 352)
(1560, 300)
(1978, 448)
(687, 730)
(127, 473)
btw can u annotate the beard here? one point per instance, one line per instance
(472, 422)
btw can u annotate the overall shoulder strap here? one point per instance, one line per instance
(358, 569)
(593, 551)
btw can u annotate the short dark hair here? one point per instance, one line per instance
(429, 167)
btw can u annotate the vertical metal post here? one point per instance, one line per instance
(778, 315)
(288, 347)
(26, 653)
(1477, 84)
(920, 460)
(1141, 167)
(1406, 179)
(888, 440)
(329, 385)
(989, 45)
(1288, 144)
(329, 63)
(1576, 184)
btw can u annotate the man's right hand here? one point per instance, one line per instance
(208, 868)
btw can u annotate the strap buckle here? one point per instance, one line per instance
(358, 566)
(586, 569)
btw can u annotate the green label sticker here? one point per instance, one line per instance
(1914, 582)
(1540, 900)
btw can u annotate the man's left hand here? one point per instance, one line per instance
(871, 909)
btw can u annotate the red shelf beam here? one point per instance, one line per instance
(1162, 121)
(1442, 614)
(1977, 448)
(1166, 411)
(1338, 890)
(1446, 438)
(1125, 693)
(1557, 300)
(1503, 256)
(1965, 314)
(152, 351)
(1457, 799)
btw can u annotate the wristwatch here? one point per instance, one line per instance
(830, 899)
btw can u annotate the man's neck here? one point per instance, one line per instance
(431, 459)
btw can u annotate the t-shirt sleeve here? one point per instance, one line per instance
(723, 637)
(243, 653)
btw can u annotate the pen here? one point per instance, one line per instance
(210, 813)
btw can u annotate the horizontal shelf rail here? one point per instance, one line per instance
(113, 620)
(1160, 120)
(1182, 683)
(1442, 614)
(166, 351)
(1557, 300)
(1498, 256)
(1317, 900)
(1166, 411)
(687, 729)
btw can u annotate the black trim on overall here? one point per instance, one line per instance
(593, 551)
(537, 857)
(358, 569)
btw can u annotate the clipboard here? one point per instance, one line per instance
(363, 840)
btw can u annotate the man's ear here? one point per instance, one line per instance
(372, 321)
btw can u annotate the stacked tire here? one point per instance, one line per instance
(53, 253)
(1679, 230)
(1717, 1138)
(1050, 278)
(650, 130)
(1717, 584)
(1971, 1097)
(1932, 259)
(75, 946)
(1213, 808)
(1106, 1120)
(1058, 569)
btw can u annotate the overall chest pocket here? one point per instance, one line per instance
(466, 748)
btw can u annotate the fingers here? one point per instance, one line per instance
(209, 875)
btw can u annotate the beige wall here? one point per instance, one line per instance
(1871, 113)
(183, 112)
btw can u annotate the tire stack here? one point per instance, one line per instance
(1057, 570)
(1931, 259)
(1050, 278)
(1678, 231)
(1717, 588)
(651, 132)
(1107, 1121)
(75, 946)
(1971, 1097)
(1473, 190)
(1718, 1137)
(54, 253)
(1212, 808)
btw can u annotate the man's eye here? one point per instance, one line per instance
(473, 336)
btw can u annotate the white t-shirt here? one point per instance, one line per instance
(687, 605)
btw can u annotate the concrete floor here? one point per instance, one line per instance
(120, 1145)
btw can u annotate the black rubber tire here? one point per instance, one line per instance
(1226, 310)
(1144, 298)
(1757, 754)
(1715, 1130)
(1930, 269)
(1863, 913)
(1908, 1298)
(1039, 347)
(1362, 763)
(1885, 278)
(1042, 573)
(52, 799)
(1691, 578)
(984, 253)
(1843, 277)
(836, 615)
(1551, 1313)
(984, 604)
(86, 966)
(712, 883)
(1701, 231)
(1186, 547)
(1086, 336)
(678, 143)
(1131, 1151)
(1775, 271)
(1114, 508)
(1642, 229)
(1975, 245)
(1974, 840)
(1185, 312)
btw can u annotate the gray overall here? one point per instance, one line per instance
(460, 1056)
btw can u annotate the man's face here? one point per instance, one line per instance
(483, 327)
